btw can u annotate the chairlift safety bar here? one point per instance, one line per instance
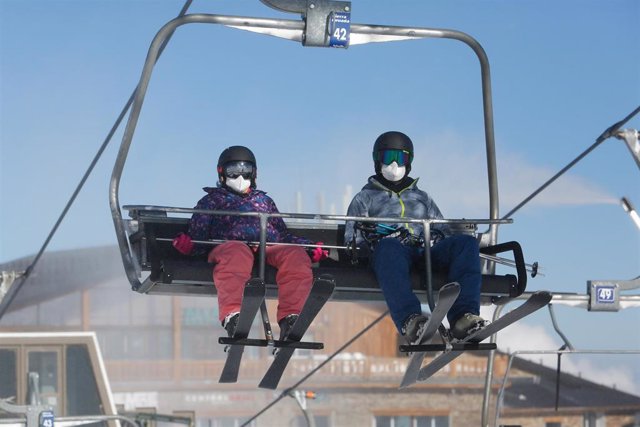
(135, 210)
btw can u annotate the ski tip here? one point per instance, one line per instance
(327, 278)
(324, 284)
(450, 289)
(451, 285)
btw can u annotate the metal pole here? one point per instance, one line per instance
(427, 265)
(488, 379)
(301, 399)
(557, 328)
(264, 314)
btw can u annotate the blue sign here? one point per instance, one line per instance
(46, 419)
(605, 294)
(339, 29)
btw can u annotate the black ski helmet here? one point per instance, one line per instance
(237, 153)
(392, 140)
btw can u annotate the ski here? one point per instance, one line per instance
(446, 297)
(252, 298)
(534, 303)
(320, 293)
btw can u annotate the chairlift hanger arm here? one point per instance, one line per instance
(293, 6)
(297, 26)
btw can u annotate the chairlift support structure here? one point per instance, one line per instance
(144, 238)
(591, 301)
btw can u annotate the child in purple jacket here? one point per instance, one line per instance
(236, 191)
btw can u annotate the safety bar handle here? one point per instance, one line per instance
(518, 257)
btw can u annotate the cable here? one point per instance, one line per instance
(608, 133)
(286, 392)
(13, 291)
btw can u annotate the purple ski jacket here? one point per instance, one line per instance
(231, 227)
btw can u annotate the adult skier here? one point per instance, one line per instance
(233, 260)
(394, 249)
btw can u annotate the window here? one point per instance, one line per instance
(201, 343)
(595, 420)
(136, 343)
(45, 366)
(82, 391)
(8, 373)
(200, 329)
(119, 306)
(412, 421)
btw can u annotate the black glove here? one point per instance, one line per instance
(358, 253)
(436, 236)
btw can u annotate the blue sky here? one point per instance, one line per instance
(561, 73)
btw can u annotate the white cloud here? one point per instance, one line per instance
(455, 165)
(452, 168)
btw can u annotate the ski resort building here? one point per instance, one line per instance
(162, 355)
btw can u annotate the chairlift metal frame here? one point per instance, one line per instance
(311, 30)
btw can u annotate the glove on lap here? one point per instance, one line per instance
(183, 243)
(318, 254)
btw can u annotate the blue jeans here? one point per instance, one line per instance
(457, 255)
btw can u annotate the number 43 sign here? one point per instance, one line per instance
(46, 419)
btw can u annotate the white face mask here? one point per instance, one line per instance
(239, 184)
(393, 172)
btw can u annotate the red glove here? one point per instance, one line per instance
(183, 243)
(318, 254)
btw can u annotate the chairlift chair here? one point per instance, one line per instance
(153, 266)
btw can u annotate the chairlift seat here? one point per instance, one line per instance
(173, 273)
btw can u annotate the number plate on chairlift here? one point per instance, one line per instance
(46, 419)
(339, 29)
(604, 296)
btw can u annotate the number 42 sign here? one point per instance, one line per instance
(339, 29)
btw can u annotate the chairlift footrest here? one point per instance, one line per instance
(467, 346)
(252, 342)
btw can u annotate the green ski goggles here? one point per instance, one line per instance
(386, 157)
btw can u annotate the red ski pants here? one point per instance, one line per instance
(233, 265)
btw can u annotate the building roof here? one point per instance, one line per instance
(539, 390)
(59, 273)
